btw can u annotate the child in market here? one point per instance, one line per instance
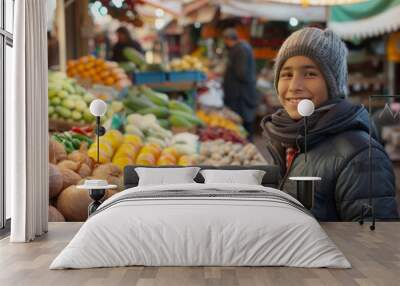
(311, 64)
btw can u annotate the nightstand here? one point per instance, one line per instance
(305, 190)
(97, 190)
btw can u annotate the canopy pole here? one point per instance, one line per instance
(62, 44)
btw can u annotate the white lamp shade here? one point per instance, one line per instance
(305, 107)
(98, 107)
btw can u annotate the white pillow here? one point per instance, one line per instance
(166, 176)
(248, 177)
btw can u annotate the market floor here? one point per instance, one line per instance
(374, 255)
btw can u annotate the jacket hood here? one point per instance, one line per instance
(342, 117)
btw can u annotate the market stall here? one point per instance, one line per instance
(154, 118)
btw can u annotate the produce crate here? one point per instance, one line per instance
(178, 76)
(149, 77)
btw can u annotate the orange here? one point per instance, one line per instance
(109, 81)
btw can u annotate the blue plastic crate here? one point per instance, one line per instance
(149, 77)
(178, 76)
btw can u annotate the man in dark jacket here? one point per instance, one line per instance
(311, 64)
(124, 41)
(240, 80)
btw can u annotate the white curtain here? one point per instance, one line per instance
(27, 123)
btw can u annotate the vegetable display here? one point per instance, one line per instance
(219, 152)
(71, 141)
(170, 113)
(214, 133)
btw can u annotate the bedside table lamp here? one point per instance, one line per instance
(305, 185)
(97, 188)
(305, 108)
(98, 108)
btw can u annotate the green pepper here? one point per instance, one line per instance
(57, 137)
(68, 146)
(76, 143)
(67, 135)
(82, 138)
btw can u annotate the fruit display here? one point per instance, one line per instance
(68, 100)
(214, 133)
(219, 152)
(71, 141)
(108, 144)
(217, 120)
(66, 172)
(188, 63)
(98, 71)
(169, 113)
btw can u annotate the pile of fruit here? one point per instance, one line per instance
(188, 63)
(68, 100)
(98, 71)
(169, 113)
(217, 120)
(214, 133)
(219, 152)
(130, 149)
(66, 171)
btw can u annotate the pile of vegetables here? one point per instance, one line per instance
(68, 100)
(214, 133)
(71, 140)
(169, 113)
(137, 62)
(148, 128)
(98, 71)
(219, 152)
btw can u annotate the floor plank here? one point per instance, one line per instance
(375, 257)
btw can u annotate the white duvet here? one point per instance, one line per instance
(200, 231)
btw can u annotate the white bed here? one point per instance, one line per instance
(249, 226)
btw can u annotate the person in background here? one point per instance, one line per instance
(239, 84)
(124, 40)
(311, 64)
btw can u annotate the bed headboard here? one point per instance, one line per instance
(271, 177)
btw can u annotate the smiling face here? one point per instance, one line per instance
(300, 78)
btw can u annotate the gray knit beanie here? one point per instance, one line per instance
(326, 49)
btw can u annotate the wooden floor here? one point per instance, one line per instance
(375, 257)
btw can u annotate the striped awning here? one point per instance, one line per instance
(368, 19)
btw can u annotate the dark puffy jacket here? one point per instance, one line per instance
(340, 157)
(240, 82)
